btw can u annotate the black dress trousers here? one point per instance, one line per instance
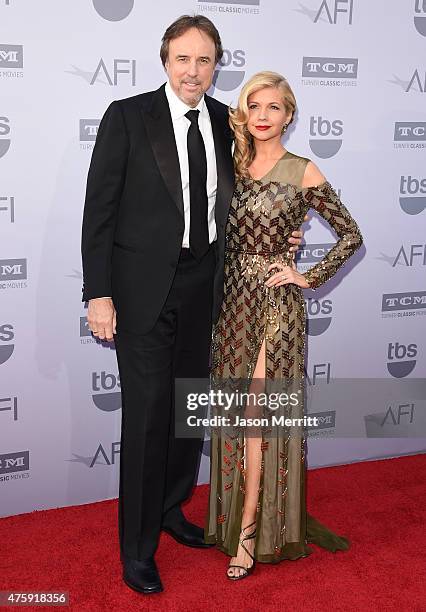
(157, 470)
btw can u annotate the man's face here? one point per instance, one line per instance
(190, 65)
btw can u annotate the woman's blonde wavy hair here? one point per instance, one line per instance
(244, 151)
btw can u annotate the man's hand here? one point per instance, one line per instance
(296, 239)
(101, 318)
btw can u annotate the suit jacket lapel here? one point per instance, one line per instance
(159, 126)
(224, 165)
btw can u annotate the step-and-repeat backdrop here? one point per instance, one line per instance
(358, 70)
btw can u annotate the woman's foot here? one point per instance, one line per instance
(243, 564)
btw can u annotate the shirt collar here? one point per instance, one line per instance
(178, 108)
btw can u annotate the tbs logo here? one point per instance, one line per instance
(6, 335)
(325, 146)
(230, 75)
(4, 131)
(316, 323)
(398, 365)
(105, 397)
(113, 11)
(420, 16)
(412, 194)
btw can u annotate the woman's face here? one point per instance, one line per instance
(267, 113)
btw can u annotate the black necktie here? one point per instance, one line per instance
(198, 228)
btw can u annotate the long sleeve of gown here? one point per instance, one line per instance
(327, 203)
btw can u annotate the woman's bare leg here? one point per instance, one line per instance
(253, 459)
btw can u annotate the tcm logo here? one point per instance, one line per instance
(246, 2)
(230, 76)
(326, 420)
(6, 335)
(105, 398)
(313, 253)
(319, 316)
(13, 269)
(101, 456)
(7, 205)
(113, 11)
(398, 365)
(410, 256)
(4, 131)
(330, 11)
(324, 146)
(84, 327)
(14, 462)
(396, 421)
(420, 16)
(401, 302)
(118, 72)
(11, 56)
(88, 129)
(330, 67)
(412, 194)
(410, 131)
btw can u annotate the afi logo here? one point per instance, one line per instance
(410, 131)
(420, 16)
(230, 75)
(320, 372)
(417, 82)
(333, 10)
(330, 67)
(410, 256)
(398, 365)
(325, 146)
(412, 192)
(7, 204)
(315, 323)
(101, 454)
(110, 401)
(119, 67)
(395, 415)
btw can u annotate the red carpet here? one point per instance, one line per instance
(379, 505)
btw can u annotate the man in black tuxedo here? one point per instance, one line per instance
(158, 192)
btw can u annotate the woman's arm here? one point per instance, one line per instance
(320, 196)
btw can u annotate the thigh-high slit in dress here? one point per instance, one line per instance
(263, 213)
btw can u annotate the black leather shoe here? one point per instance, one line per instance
(188, 534)
(141, 576)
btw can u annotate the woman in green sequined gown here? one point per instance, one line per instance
(258, 481)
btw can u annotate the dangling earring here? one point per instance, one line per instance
(285, 126)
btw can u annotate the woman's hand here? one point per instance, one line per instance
(284, 276)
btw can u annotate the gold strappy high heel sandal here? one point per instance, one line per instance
(247, 570)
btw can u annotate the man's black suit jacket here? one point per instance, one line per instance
(133, 219)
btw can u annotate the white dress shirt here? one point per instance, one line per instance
(178, 109)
